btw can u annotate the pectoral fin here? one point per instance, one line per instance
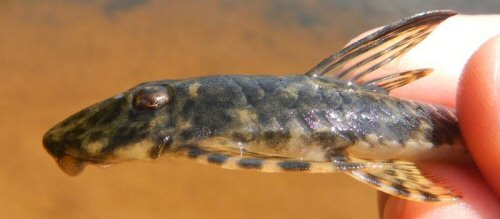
(399, 178)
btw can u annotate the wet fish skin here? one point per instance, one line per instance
(287, 116)
(329, 120)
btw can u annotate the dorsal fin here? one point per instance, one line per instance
(377, 49)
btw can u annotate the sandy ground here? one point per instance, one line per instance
(57, 57)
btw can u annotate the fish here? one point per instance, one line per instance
(337, 117)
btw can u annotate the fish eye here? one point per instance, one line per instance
(151, 98)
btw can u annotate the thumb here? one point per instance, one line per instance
(478, 108)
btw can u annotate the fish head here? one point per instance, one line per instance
(133, 125)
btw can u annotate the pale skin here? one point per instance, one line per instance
(465, 54)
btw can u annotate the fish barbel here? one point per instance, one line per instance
(334, 118)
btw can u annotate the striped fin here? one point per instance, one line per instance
(260, 163)
(396, 80)
(403, 179)
(360, 59)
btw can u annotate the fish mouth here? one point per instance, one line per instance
(73, 166)
(70, 165)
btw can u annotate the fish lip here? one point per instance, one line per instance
(71, 165)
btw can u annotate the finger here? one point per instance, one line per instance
(479, 110)
(382, 201)
(478, 200)
(478, 105)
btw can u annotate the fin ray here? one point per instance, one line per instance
(402, 179)
(366, 55)
(400, 79)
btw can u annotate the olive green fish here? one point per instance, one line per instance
(338, 117)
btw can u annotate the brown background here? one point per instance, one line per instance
(57, 57)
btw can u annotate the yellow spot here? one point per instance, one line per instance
(372, 138)
(292, 91)
(412, 143)
(392, 144)
(138, 151)
(183, 124)
(323, 167)
(220, 144)
(246, 116)
(316, 153)
(95, 147)
(193, 89)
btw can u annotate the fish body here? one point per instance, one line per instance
(313, 122)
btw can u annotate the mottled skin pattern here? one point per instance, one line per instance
(309, 123)
(295, 116)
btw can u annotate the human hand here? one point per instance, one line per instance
(448, 50)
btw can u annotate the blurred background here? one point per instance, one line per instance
(57, 57)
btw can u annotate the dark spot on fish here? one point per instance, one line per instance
(325, 139)
(110, 113)
(195, 152)
(96, 135)
(187, 134)
(212, 117)
(188, 109)
(410, 177)
(372, 179)
(141, 115)
(390, 172)
(294, 165)
(277, 137)
(217, 158)
(428, 196)
(243, 137)
(250, 163)
(349, 136)
(75, 132)
(399, 181)
(401, 190)
(125, 136)
(73, 138)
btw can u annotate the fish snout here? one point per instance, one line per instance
(57, 148)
